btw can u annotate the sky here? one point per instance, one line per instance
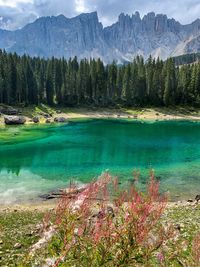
(15, 14)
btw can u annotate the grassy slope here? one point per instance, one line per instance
(17, 227)
(20, 227)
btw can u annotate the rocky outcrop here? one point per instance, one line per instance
(14, 120)
(85, 37)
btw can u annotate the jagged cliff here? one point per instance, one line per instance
(84, 36)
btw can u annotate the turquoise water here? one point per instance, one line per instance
(37, 159)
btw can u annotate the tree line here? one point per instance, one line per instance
(27, 81)
(187, 59)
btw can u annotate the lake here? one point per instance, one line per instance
(37, 159)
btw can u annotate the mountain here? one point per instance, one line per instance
(84, 36)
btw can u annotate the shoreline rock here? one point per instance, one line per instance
(8, 111)
(60, 119)
(36, 120)
(14, 120)
(48, 121)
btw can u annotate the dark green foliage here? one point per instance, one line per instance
(27, 81)
(186, 59)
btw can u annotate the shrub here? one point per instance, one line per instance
(106, 226)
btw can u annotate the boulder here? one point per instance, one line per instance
(8, 111)
(46, 116)
(36, 120)
(197, 198)
(48, 121)
(60, 119)
(14, 120)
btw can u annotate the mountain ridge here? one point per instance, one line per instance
(85, 37)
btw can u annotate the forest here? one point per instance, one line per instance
(27, 81)
(187, 59)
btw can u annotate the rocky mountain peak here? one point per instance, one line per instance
(136, 17)
(84, 36)
(87, 17)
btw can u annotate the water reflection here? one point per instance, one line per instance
(83, 150)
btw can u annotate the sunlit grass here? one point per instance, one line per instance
(17, 227)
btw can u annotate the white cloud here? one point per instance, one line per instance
(80, 6)
(14, 3)
(17, 13)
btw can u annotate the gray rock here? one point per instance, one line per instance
(30, 233)
(60, 119)
(8, 111)
(197, 198)
(14, 120)
(177, 227)
(48, 121)
(18, 246)
(36, 120)
(46, 116)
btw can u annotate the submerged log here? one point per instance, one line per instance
(68, 193)
(14, 120)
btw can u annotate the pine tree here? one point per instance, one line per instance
(49, 84)
(170, 83)
(112, 81)
(126, 93)
(119, 83)
(26, 80)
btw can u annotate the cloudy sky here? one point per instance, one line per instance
(16, 13)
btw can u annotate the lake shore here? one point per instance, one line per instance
(49, 205)
(22, 227)
(38, 207)
(45, 113)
